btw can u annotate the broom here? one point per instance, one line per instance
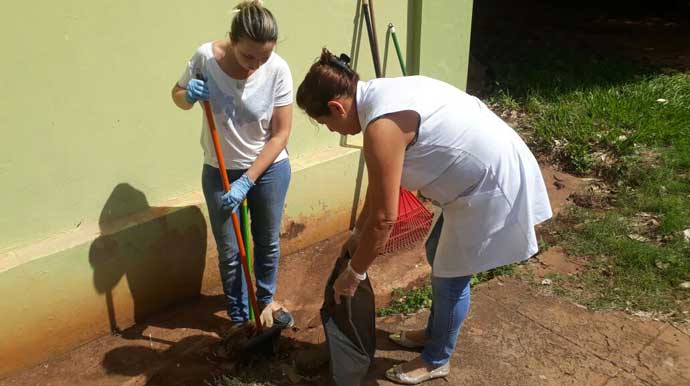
(235, 221)
(263, 341)
(414, 219)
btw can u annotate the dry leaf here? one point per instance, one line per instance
(639, 238)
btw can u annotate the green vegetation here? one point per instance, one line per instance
(408, 302)
(627, 126)
(225, 380)
(630, 127)
(415, 299)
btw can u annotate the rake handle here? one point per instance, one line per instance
(372, 37)
(235, 220)
(394, 35)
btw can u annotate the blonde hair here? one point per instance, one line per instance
(253, 21)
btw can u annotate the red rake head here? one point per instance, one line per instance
(412, 225)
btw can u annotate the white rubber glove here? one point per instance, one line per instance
(347, 282)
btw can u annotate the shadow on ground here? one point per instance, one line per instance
(555, 47)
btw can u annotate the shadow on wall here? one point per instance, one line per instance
(160, 251)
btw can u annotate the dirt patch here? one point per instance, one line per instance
(173, 347)
(560, 186)
(292, 230)
(554, 261)
(595, 195)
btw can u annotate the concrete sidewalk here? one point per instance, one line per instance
(518, 335)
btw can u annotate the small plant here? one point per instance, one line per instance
(408, 302)
(505, 270)
(543, 244)
(225, 380)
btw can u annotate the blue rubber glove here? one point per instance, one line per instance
(196, 90)
(238, 191)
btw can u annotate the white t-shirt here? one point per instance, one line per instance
(242, 108)
(473, 165)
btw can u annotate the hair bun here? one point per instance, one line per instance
(325, 56)
(342, 62)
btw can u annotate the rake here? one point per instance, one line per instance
(414, 219)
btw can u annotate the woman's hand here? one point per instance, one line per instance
(347, 282)
(196, 90)
(238, 191)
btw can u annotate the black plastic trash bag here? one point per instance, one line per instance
(350, 330)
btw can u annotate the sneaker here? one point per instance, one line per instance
(283, 319)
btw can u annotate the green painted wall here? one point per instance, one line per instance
(140, 263)
(101, 172)
(71, 296)
(86, 108)
(440, 43)
(86, 102)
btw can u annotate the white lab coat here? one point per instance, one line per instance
(471, 164)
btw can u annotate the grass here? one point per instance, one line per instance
(587, 126)
(408, 301)
(627, 125)
(412, 300)
(630, 126)
(225, 380)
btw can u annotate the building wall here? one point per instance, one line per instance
(102, 215)
(442, 39)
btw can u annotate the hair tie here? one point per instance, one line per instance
(342, 61)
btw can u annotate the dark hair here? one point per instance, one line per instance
(253, 21)
(329, 78)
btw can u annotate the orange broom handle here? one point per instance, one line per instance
(235, 220)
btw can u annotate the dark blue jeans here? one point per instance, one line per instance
(450, 304)
(265, 201)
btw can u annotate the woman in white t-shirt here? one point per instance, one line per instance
(250, 90)
(427, 135)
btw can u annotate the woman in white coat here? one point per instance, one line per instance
(429, 136)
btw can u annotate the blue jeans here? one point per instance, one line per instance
(450, 304)
(265, 200)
